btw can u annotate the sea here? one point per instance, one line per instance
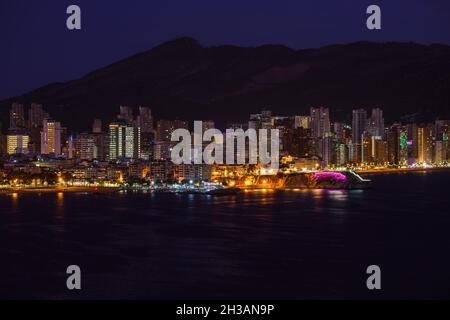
(294, 245)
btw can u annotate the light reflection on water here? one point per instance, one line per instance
(273, 244)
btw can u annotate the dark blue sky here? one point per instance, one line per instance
(36, 48)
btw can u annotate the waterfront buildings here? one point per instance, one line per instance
(320, 121)
(85, 146)
(138, 148)
(51, 137)
(17, 143)
(424, 144)
(359, 125)
(375, 125)
(163, 143)
(124, 141)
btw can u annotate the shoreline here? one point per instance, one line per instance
(59, 190)
(402, 170)
(106, 190)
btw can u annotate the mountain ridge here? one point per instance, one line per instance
(182, 79)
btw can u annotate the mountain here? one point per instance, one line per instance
(182, 79)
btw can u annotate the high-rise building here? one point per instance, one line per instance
(359, 125)
(298, 142)
(442, 128)
(261, 120)
(376, 123)
(101, 145)
(355, 151)
(17, 117)
(145, 120)
(367, 148)
(266, 119)
(328, 150)
(393, 144)
(320, 122)
(164, 128)
(100, 140)
(163, 143)
(440, 152)
(17, 143)
(425, 144)
(126, 114)
(342, 154)
(36, 116)
(380, 157)
(51, 137)
(403, 143)
(124, 141)
(320, 127)
(412, 131)
(85, 147)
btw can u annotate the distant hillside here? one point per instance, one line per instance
(182, 79)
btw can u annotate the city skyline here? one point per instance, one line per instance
(368, 139)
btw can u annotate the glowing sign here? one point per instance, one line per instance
(336, 176)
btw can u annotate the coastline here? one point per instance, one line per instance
(58, 190)
(105, 190)
(401, 170)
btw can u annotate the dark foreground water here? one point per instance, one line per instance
(276, 245)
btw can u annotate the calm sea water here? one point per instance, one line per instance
(274, 245)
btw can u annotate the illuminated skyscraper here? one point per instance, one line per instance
(380, 151)
(359, 125)
(17, 143)
(320, 122)
(328, 150)
(266, 119)
(367, 148)
(85, 147)
(261, 120)
(425, 144)
(124, 141)
(51, 138)
(126, 114)
(403, 142)
(163, 143)
(440, 153)
(145, 123)
(376, 123)
(145, 120)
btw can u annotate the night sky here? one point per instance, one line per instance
(36, 48)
